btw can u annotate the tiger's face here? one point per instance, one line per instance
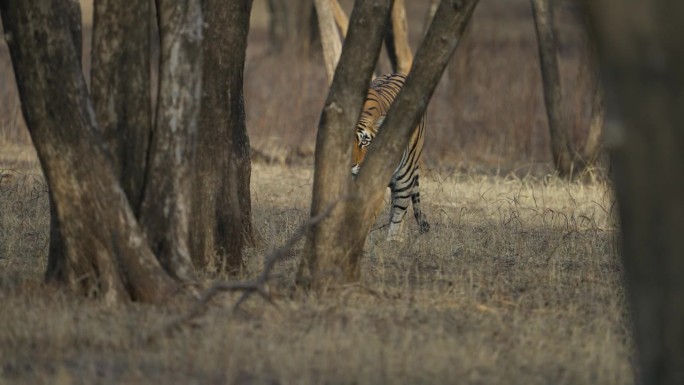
(365, 132)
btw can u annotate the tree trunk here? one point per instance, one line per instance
(325, 261)
(290, 25)
(221, 216)
(104, 252)
(396, 40)
(643, 56)
(165, 209)
(330, 38)
(553, 98)
(120, 88)
(336, 244)
(341, 18)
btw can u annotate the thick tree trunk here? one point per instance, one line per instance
(643, 57)
(325, 260)
(120, 88)
(165, 209)
(553, 97)
(396, 40)
(330, 37)
(221, 218)
(104, 251)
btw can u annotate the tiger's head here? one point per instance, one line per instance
(366, 129)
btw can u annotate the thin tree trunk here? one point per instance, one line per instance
(325, 261)
(105, 252)
(221, 218)
(330, 38)
(553, 98)
(290, 25)
(643, 57)
(165, 209)
(397, 41)
(592, 145)
(120, 88)
(340, 18)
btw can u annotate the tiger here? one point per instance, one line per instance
(404, 184)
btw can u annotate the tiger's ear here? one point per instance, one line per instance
(378, 122)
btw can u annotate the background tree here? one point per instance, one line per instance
(222, 211)
(566, 160)
(397, 41)
(335, 245)
(292, 24)
(643, 55)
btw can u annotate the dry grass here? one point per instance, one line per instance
(518, 282)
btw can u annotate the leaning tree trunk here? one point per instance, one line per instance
(396, 39)
(165, 209)
(643, 56)
(221, 218)
(120, 88)
(553, 98)
(324, 259)
(336, 244)
(104, 250)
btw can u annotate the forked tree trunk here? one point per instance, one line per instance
(336, 244)
(166, 205)
(324, 259)
(120, 88)
(561, 148)
(330, 37)
(643, 56)
(221, 220)
(397, 40)
(104, 251)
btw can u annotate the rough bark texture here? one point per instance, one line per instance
(643, 56)
(165, 209)
(432, 57)
(105, 253)
(327, 258)
(330, 38)
(120, 88)
(553, 98)
(396, 40)
(221, 220)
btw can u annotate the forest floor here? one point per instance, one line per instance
(518, 282)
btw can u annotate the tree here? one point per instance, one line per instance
(566, 160)
(221, 195)
(292, 24)
(335, 245)
(396, 39)
(643, 58)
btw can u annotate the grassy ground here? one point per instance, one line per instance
(517, 282)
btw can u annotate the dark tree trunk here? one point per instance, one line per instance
(643, 57)
(166, 206)
(336, 243)
(104, 251)
(290, 25)
(553, 97)
(221, 218)
(120, 88)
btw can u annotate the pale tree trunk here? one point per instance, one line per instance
(397, 41)
(120, 88)
(324, 259)
(330, 38)
(341, 18)
(643, 57)
(104, 251)
(165, 209)
(221, 217)
(336, 244)
(561, 149)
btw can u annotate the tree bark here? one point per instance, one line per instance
(553, 97)
(165, 209)
(643, 57)
(221, 218)
(325, 261)
(396, 40)
(330, 38)
(104, 252)
(120, 88)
